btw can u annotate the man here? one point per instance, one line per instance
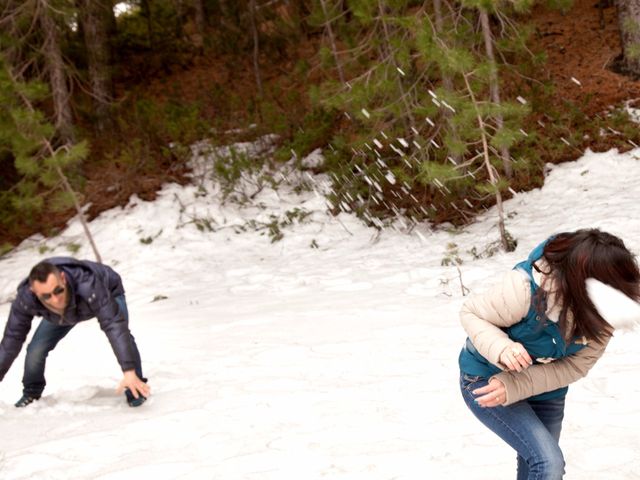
(65, 291)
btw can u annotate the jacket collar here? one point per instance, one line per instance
(546, 283)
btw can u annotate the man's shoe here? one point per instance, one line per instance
(133, 401)
(26, 399)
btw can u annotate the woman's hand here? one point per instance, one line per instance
(515, 358)
(491, 395)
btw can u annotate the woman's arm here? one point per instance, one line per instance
(483, 315)
(543, 378)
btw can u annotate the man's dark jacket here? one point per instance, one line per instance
(92, 291)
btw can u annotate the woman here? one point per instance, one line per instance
(534, 334)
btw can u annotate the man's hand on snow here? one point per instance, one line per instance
(134, 384)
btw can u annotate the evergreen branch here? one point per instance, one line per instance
(46, 147)
(332, 19)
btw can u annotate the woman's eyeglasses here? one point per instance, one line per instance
(59, 290)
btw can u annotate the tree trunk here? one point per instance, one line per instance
(112, 21)
(145, 9)
(256, 46)
(447, 81)
(81, 217)
(180, 18)
(629, 26)
(224, 8)
(196, 32)
(494, 86)
(13, 28)
(96, 20)
(57, 74)
(200, 16)
(409, 120)
(493, 177)
(332, 39)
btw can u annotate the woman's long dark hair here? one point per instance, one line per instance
(590, 253)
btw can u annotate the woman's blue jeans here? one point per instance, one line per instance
(531, 428)
(45, 338)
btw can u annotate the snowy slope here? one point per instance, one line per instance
(283, 361)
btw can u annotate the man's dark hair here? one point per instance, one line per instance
(41, 272)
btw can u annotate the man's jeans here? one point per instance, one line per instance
(45, 338)
(532, 428)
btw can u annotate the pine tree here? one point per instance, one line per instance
(96, 19)
(629, 26)
(29, 138)
(423, 90)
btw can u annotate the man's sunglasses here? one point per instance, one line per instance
(59, 290)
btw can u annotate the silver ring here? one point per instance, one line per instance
(516, 352)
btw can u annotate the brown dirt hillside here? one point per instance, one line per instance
(579, 46)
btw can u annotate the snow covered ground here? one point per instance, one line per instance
(285, 361)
